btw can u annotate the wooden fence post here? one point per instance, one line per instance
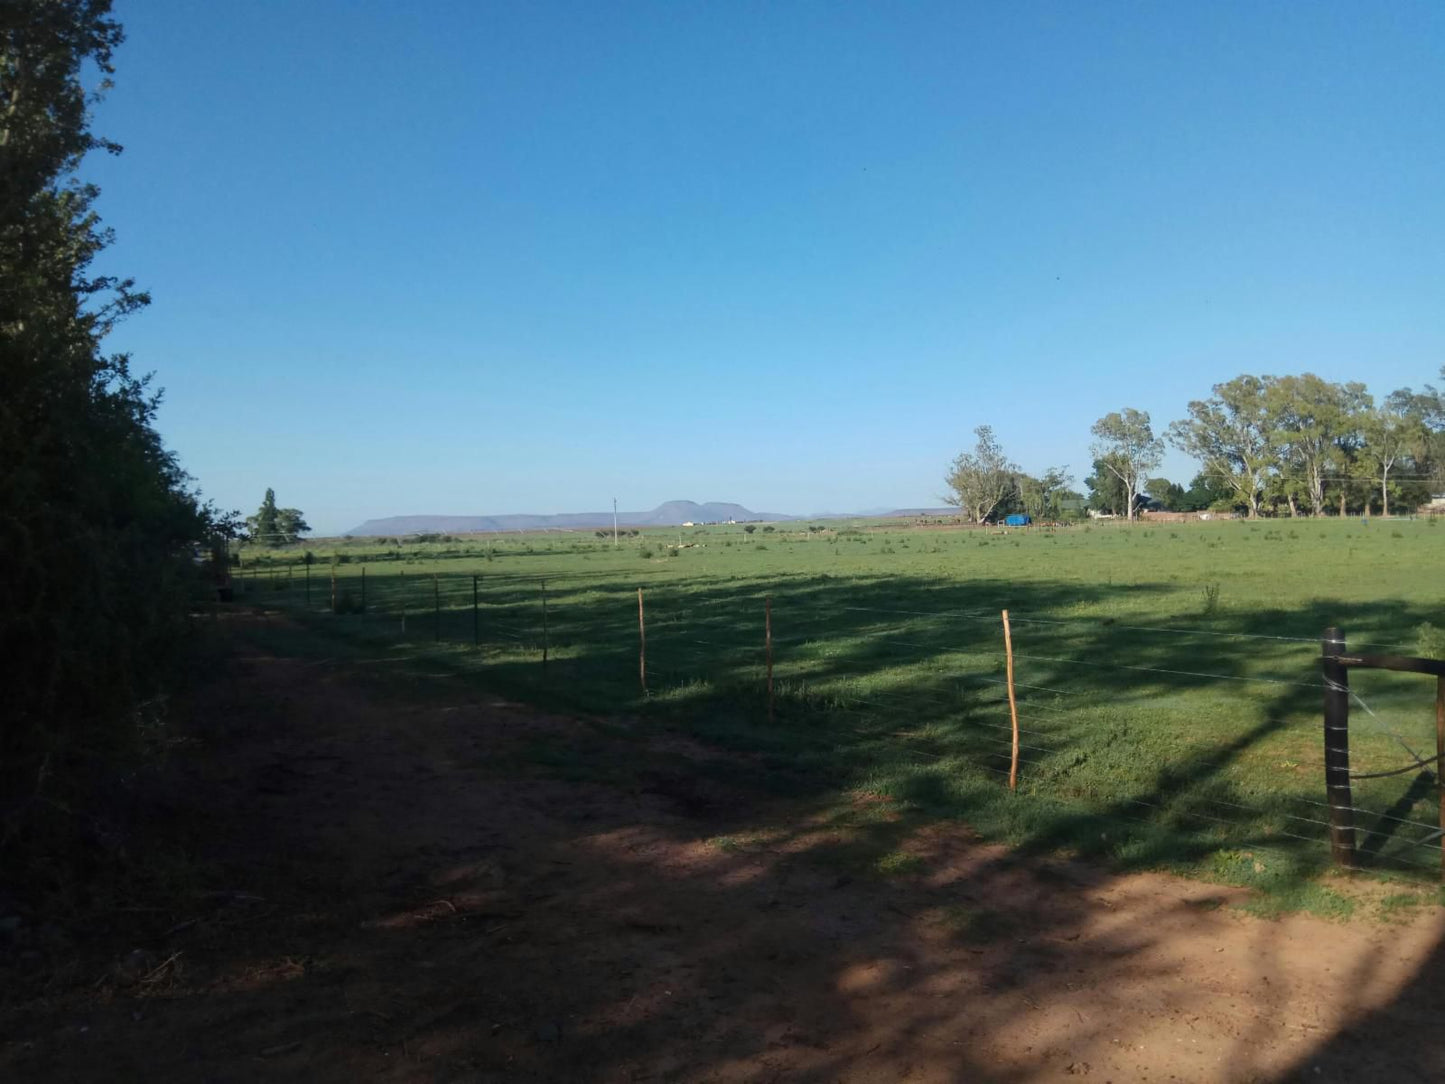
(363, 592)
(403, 602)
(476, 620)
(333, 588)
(768, 648)
(1337, 749)
(436, 592)
(1013, 708)
(641, 644)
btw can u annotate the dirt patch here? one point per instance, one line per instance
(468, 890)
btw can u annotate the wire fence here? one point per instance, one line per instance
(1207, 741)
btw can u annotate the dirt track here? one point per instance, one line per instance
(407, 892)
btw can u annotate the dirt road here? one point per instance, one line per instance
(457, 889)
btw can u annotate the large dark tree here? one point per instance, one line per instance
(1107, 492)
(94, 513)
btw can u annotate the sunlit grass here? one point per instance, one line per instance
(1168, 683)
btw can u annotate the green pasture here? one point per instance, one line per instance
(1168, 683)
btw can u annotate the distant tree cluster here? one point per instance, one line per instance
(272, 526)
(1289, 442)
(1267, 445)
(985, 483)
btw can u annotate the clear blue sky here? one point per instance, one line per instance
(526, 257)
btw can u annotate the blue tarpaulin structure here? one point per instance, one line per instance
(1017, 520)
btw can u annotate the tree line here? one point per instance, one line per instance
(1266, 445)
(97, 520)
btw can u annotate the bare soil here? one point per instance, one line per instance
(438, 886)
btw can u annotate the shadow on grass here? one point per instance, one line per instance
(453, 891)
(1172, 747)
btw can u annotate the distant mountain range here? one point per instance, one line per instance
(667, 514)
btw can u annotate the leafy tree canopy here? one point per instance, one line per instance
(96, 518)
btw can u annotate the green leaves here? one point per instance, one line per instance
(96, 520)
(1126, 448)
(980, 480)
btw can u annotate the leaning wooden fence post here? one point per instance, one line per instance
(768, 648)
(1013, 707)
(436, 594)
(1337, 749)
(544, 626)
(641, 644)
(476, 620)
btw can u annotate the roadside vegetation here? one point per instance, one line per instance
(98, 522)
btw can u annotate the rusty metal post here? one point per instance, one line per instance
(1440, 762)
(1337, 749)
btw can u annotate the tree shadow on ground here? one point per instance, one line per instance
(1148, 744)
(447, 888)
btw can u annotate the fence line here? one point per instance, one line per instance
(1047, 749)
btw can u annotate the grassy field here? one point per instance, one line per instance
(1169, 689)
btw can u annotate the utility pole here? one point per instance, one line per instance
(614, 522)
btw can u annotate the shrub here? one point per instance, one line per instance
(1211, 598)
